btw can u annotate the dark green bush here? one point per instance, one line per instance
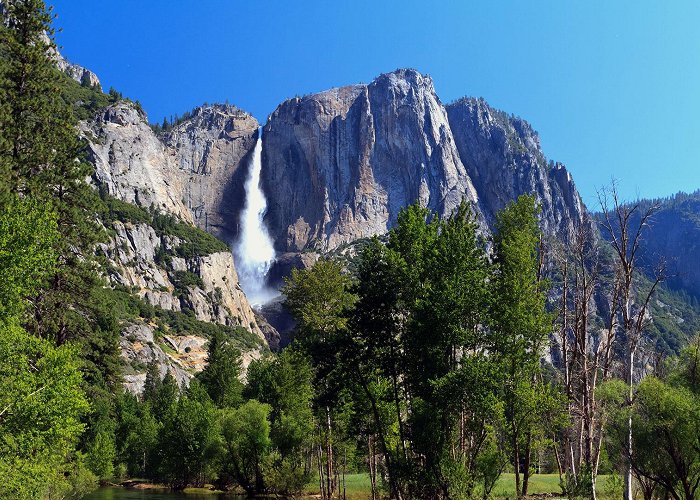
(181, 323)
(185, 279)
(195, 242)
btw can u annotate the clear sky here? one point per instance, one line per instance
(612, 86)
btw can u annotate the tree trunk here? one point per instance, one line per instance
(321, 482)
(372, 467)
(345, 460)
(330, 487)
(628, 445)
(526, 473)
(516, 461)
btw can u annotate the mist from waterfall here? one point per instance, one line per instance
(254, 252)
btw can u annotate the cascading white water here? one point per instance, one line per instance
(254, 252)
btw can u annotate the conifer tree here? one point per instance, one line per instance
(41, 159)
(220, 377)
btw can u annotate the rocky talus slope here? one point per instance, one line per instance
(194, 174)
(187, 289)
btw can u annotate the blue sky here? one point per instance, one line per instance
(613, 87)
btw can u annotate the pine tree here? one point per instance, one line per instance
(41, 159)
(220, 376)
(153, 382)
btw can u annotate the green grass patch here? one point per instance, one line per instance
(539, 483)
(358, 486)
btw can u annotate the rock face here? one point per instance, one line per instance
(196, 171)
(81, 75)
(339, 165)
(672, 237)
(139, 348)
(211, 149)
(503, 158)
(216, 298)
(132, 164)
(212, 295)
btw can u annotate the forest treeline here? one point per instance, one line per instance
(436, 362)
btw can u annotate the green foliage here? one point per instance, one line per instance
(220, 377)
(665, 427)
(41, 405)
(246, 439)
(101, 454)
(27, 257)
(182, 280)
(520, 324)
(41, 160)
(676, 318)
(179, 323)
(319, 300)
(519, 317)
(285, 383)
(195, 242)
(188, 440)
(118, 210)
(124, 305)
(165, 399)
(432, 351)
(136, 434)
(665, 417)
(172, 122)
(85, 101)
(613, 487)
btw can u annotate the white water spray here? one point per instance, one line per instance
(254, 252)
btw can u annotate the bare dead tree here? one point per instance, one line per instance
(624, 225)
(586, 352)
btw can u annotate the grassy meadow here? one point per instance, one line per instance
(357, 486)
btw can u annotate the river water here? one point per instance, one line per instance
(116, 493)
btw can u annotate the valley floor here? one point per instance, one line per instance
(357, 487)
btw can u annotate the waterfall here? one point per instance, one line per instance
(254, 252)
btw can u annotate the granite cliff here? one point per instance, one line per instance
(337, 166)
(195, 171)
(672, 239)
(194, 175)
(340, 164)
(503, 158)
